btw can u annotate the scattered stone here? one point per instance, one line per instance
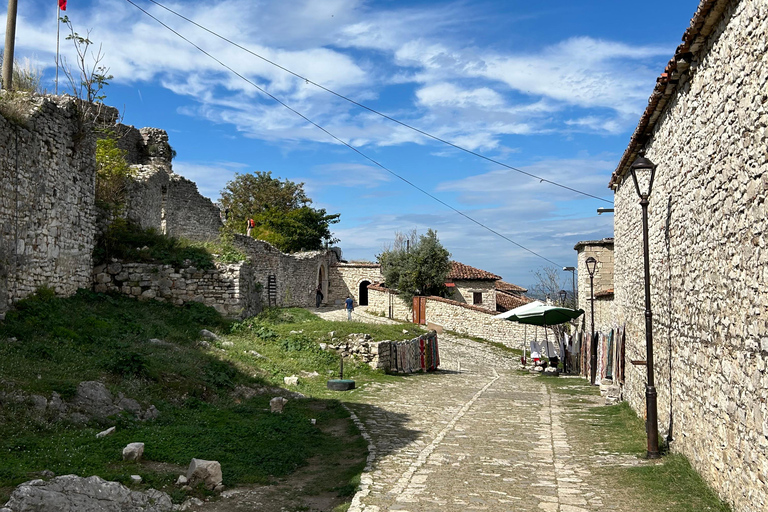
(203, 344)
(71, 493)
(227, 344)
(219, 488)
(323, 346)
(205, 333)
(253, 353)
(186, 488)
(133, 452)
(332, 334)
(277, 404)
(291, 381)
(207, 472)
(151, 413)
(136, 479)
(94, 400)
(309, 375)
(182, 480)
(47, 473)
(313, 421)
(191, 502)
(105, 433)
(405, 331)
(155, 341)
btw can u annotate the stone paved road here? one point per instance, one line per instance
(487, 437)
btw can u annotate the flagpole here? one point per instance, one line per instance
(10, 41)
(58, 25)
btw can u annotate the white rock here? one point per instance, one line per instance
(105, 433)
(291, 381)
(136, 479)
(207, 472)
(182, 480)
(277, 404)
(133, 452)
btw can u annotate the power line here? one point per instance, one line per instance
(374, 111)
(375, 162)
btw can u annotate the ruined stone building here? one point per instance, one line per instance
(706, 128)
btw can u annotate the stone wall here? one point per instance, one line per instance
(466, 288)
(708, 258)
(380, 300)
(480, 322)
(47, 181)
(602, 251)
(297, 275)
(229, 289)
(347, 278)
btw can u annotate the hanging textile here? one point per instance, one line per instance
(610, 363)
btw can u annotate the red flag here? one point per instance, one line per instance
(63, 5)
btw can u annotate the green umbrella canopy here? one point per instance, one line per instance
(542, 314)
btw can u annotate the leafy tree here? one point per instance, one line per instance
(281, 210)
(112, 175)
(416, 266)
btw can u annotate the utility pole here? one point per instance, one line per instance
(10, 40)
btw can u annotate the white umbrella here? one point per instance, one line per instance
(519, 310)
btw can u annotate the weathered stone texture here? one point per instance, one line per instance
(352, 279)
(47, 176)
(297, 275)
(709, 262)
(602, 251)
(380, 300)
(229, 289)
(466, 288)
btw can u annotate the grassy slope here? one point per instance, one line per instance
(667, 484)
(61, 342)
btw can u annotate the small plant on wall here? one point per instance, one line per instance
(112, 176)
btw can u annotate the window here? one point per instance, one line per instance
(477, 298)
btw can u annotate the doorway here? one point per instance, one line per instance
(363, 293)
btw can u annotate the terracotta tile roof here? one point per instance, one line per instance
(462, 271)
(509, 287)
(703, 23)
(505, 301)
(604, 294)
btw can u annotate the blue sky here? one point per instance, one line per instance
(552, 87)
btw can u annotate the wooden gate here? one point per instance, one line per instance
(420, 310)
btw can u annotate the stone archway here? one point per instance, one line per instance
(362, 296)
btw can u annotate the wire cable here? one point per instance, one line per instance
(374, 111)
(375, 162)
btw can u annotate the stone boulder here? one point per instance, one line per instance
(206, 472)
(277, 404)
(94, 400)
(133, 452)
(71, 493)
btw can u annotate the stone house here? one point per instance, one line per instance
(509, 296)
(602, 251)
(706, 129)
(470, 285)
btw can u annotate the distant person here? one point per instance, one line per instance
(318, 296)
(536, 357)
(350, 305)
(249, 225)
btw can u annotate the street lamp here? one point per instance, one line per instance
(562, 294)
(591, 267)
(643, 172)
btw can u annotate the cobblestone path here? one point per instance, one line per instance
(488, 438)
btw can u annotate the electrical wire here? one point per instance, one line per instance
(374, 111)
(375, 162)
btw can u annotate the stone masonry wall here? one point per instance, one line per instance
(229, 289)
(47, 181)
(480, 322)
(602, 251)
(709, 262)
(380, 299)
(465, 289)
(345, 279)
(297, 275)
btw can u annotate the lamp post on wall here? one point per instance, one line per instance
(572, 270)
(591, 268)
(646, 171)
(562, 294)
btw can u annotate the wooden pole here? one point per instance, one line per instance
(10, 40)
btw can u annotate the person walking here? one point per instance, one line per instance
(249, 225)
(350, 305)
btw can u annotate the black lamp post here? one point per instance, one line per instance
(572, 270)
(562, 294)
(591, 267)
(647, 170)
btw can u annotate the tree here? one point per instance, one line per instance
(281, 210)
(416, 267)
(112, 175)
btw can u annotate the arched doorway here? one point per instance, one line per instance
(363, 293)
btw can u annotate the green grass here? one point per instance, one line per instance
(665, 484)
(90, 336)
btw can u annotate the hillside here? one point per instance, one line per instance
(182, 395)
